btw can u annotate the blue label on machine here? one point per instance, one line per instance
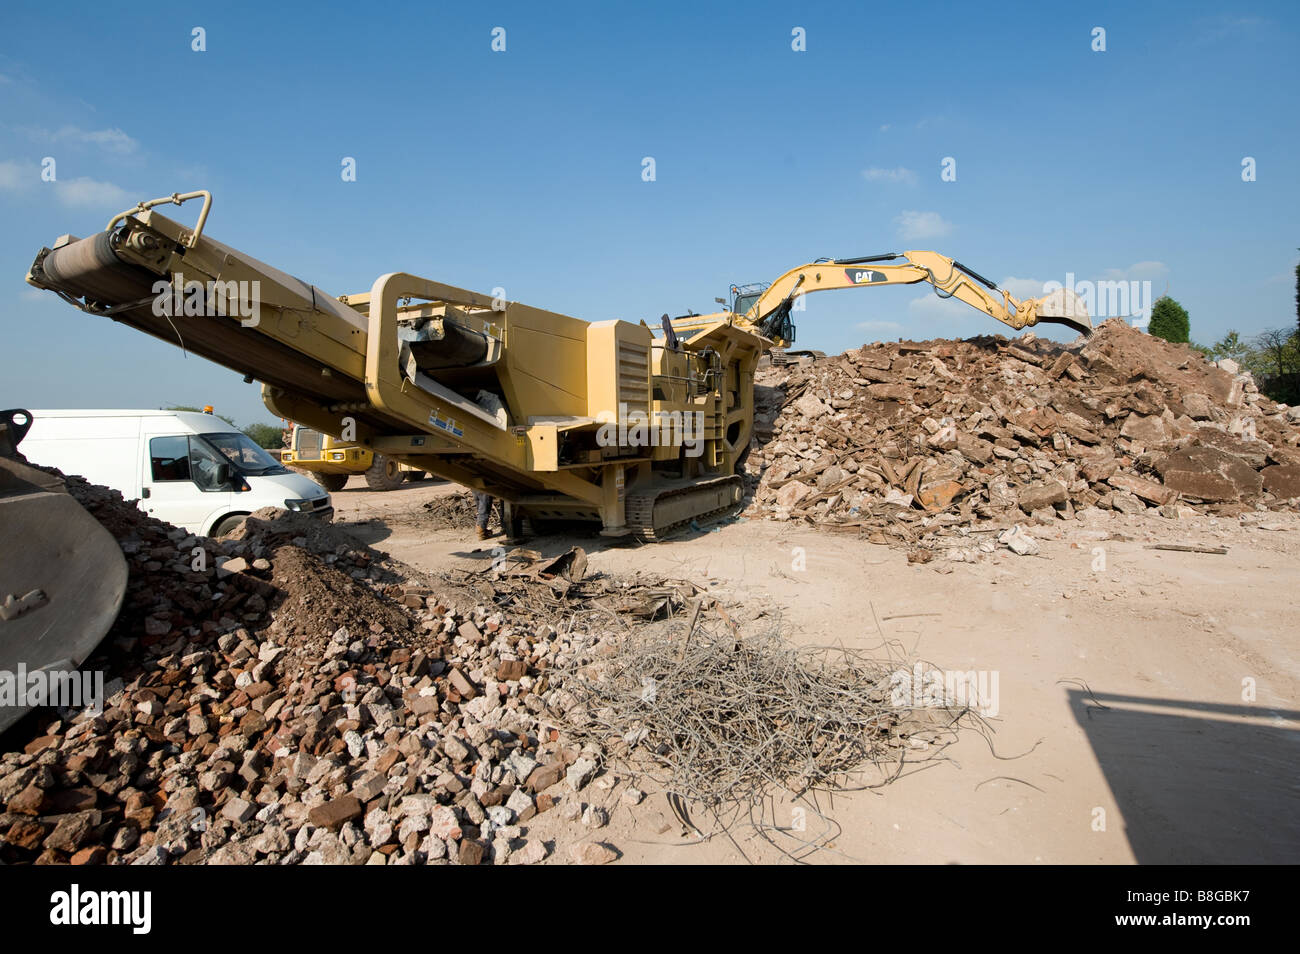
(446, 424)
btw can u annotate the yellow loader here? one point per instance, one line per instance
(330, 462)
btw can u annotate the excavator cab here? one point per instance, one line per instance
(776, 325)
(744, 296)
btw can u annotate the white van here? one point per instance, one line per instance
(190, 469)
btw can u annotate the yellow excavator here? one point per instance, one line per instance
(639, 427)
(766, 307)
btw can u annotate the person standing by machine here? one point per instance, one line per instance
(483, 503)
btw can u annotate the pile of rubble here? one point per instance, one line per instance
(900, 440)
(453, 511)
(287, 695)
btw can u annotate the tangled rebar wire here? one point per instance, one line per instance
(722, 719)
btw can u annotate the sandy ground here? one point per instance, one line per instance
(1146, 703)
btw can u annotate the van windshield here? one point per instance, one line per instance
(245, 454)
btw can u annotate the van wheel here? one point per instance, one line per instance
(413, 475)
(331, 482)
(228, 525)
(384, 474)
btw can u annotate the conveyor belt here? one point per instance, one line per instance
(89, 269)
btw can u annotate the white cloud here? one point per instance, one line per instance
(81, 192)
(930, 305)
(922, 225)
(885, 127)
(875, 174)
(879, 327)
(114, 140)
(1137, 272)
(1023, 288)
(15, 176)
(111, 140)
(926, 121)
(88, 193)
(1224, 27)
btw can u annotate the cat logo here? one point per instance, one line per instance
(863, 276)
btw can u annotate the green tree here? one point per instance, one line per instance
(1277, 353)
(266, 435)
(1275, 362)
(1169, 321)
(1230, 346)
(1297, 298)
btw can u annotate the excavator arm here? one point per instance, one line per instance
(769, 314)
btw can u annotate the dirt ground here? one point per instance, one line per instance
(1145, 705)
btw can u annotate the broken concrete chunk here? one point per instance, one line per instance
(1146, 429)
(1141, 487)
(1017, 540)
(1282, 481)
(1207, 473)
(580, 773)
(1047, 493)
(462, 685)
(592, 853)
(788, 497)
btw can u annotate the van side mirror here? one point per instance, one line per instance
(223, 475)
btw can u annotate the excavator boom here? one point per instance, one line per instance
(769, 312)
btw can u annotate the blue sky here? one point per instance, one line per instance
(523, 169)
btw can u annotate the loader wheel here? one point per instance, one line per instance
(331, 482)
(384, 474)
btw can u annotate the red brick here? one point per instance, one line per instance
(336, 813)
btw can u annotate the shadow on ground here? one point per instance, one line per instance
(369, 531)
(1194, 785)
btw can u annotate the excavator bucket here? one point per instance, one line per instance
(1064, 307)
(62, 580)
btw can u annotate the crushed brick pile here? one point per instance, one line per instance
(287, 695)
(898, 440)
